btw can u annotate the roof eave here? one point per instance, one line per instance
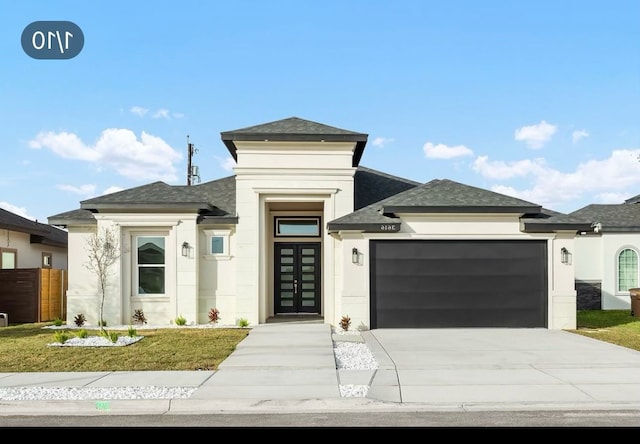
(399, 209)
(216, 220)
(168, 207)
(36, 239)
(60, 222)
(620, 230)
(229, 139)
(533, 227)
(23, 229)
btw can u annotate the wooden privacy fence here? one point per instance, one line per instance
(33, 294)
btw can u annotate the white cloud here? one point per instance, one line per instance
(381, 141)
(20, 211)
(112, 189)
(228, 164)
(577, 135)
(162, 113)
(66, 145)
(536, 135)
(612, 197)
(147, 158)
(594, 180)
(138, 110)
(501, 170)
(441, 151)
(84, 190)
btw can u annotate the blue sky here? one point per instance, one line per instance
(534, 99)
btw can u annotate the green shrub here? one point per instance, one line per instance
(79, 320)
(82, 333)
(132, 332)
(110, 335)
(242, 322)
(61, 336)
(180, 320)
(58, 322)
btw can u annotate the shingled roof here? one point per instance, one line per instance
(447, 196)
(215, 201)
(39, 233)
(372, 186)
(296, 130)
(613, 217)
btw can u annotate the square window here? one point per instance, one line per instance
(8, 258)
(217, 245)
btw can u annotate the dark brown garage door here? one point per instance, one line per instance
(465, 283)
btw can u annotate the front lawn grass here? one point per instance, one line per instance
(614, 326)
(23, 348)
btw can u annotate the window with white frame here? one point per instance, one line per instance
(47, 259)
(150, 264)
(627, 270)
(8, 258)
(218, 243)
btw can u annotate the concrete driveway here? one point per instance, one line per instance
(489, 368)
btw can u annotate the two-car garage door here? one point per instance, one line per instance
(458, 283)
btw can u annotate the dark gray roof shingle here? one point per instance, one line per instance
(443, 195)
(215, 201)
(549, 220)
(73, 217)
(612, 217)
(446, 196)
(372, 186)
(39, 233)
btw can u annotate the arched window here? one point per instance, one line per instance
(627, 269)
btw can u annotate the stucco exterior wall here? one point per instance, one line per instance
(83, 291)
(589, 262)
(612, 245)
(30, 255)
(297, 172)
(217, 276)
(121, 298)
(562, 292)
(597, 261)
(588, 258)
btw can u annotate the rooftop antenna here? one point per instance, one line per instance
(193, 174)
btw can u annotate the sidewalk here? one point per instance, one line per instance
(291, 367)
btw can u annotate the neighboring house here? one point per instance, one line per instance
(302, 228)
(607, 258)
(25, 243)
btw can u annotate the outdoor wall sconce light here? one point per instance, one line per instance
(354, 256)
(185, 249)
(565, 256)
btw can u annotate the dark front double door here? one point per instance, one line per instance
(297, 278)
